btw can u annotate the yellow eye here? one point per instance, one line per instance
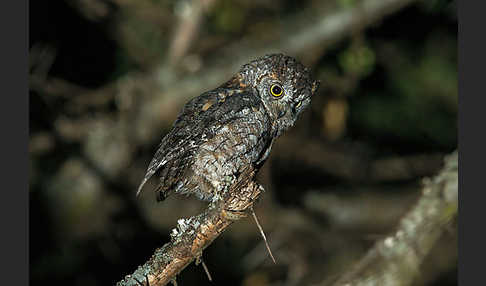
(276, 90)
(299, 104)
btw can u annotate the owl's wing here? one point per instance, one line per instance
(228, 137)
(172, 144)
(217, 120)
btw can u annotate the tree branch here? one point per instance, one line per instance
(194, 234)
(395, 260)
(356, 166)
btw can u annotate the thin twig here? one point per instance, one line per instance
(199, 260)
(206, 270)
(263, 234)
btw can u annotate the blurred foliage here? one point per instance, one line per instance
(358, 60)
(388, 92)
(418, 100)
(228, 17)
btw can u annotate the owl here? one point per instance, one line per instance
(223, 132)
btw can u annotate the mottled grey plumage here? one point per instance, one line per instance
(220, 133)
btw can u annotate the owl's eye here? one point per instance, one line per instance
(276, 90)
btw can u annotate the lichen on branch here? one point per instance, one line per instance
(194, 234)
(396, 259)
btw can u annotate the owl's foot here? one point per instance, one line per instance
(234, 215)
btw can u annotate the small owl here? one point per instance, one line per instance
(222, 132)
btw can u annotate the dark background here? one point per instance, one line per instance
(385, 116)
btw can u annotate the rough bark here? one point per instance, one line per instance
(396, 259)
(194, 234)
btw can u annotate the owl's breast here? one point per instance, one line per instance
(237, 143)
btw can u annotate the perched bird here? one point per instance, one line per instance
(220, 133)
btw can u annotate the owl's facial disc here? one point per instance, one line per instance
(283, 84)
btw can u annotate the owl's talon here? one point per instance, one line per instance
(234, 214)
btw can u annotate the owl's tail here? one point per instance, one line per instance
(153, 167)
(143, 183)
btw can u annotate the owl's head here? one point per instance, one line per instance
(283, 84)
